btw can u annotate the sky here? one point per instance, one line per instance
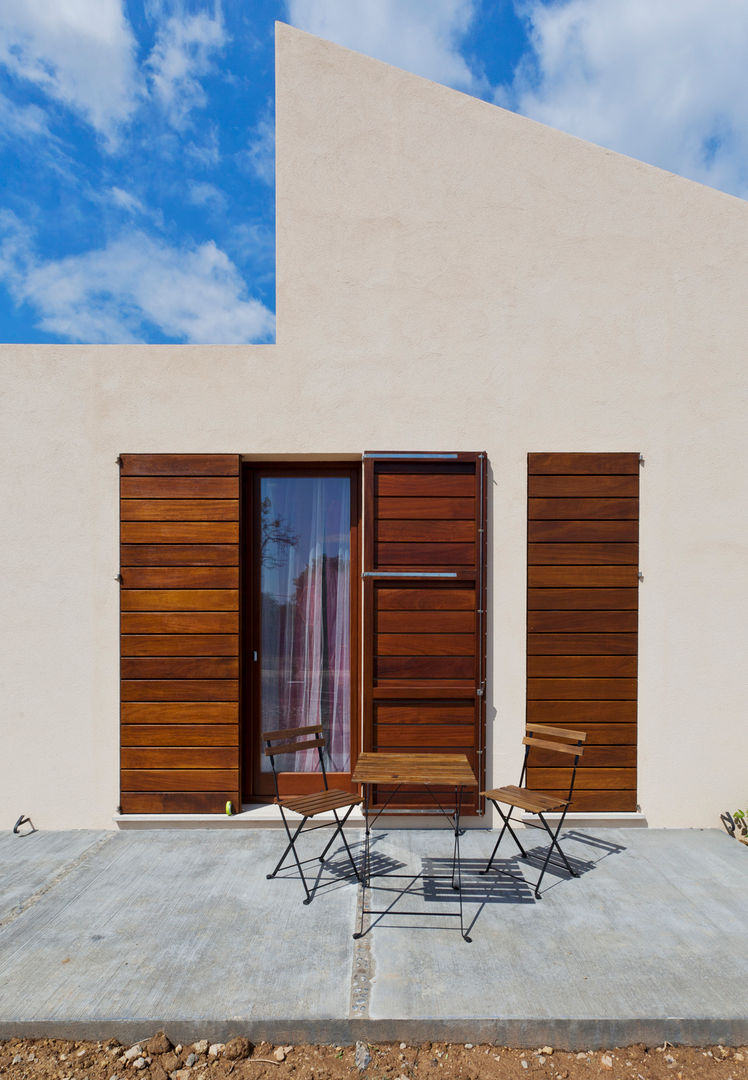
(136, 136)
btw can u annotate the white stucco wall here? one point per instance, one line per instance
(450, 276)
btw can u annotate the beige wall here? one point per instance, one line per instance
(450, 276)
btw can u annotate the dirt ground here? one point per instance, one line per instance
(157, 1059)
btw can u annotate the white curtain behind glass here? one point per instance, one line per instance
(305, 588)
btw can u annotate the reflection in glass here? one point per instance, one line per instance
(305, 613)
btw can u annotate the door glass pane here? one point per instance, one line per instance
(305, 588)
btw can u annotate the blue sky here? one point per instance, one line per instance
(136, 179)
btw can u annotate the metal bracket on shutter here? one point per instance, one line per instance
(409, 573)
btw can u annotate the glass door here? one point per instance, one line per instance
(301, 661)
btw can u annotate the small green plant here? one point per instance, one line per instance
(736, 824)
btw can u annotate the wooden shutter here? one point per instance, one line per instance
(179, 534)
(424, 608)
(582, 611)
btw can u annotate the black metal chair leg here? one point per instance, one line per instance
(506, 819)
(342, 837)
(553, 843)
(292, 847)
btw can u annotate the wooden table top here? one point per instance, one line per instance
(450, 770)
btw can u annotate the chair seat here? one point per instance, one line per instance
(534, 801)
(309, 805)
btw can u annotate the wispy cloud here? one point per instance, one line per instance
(259, 157)
(119, 293)
(422, 36)
(184, 52)
(81, 53)
(664, 82)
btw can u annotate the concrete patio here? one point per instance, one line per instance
(121, 933)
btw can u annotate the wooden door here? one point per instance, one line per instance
(424, 609)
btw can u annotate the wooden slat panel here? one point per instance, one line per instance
(599, 779)
(181, 712)
(179, 487)
(179, 532)
(180, 622)
(581, 621)
(180, 645)
(581, 531)
(582, 554)
(419, 712)
(589, 464)
(425, 644)
(179, 555)
(582, 599)
(426, 530)
(179, 735)
(422, 622)
(585, 801)
(581, 644)
(180, 577)
(426, 599)
(609, 735)
(442, 555)
(414, 736)
(180, 690)
(583, 509)
(581, 712)
(179, 465)
(164, 780)
(580, 486)
(589, 667)
(581, 689)
(434, 509)
(620, 756)
(180, 757)
(425, 485)
(582, 577)
(180, 667)
(179, 510)
(176, 802)
(417, 667)
(180, 600)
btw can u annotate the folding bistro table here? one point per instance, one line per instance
(429, 770)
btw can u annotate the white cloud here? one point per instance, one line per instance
(22, 121)
(125, 200)
(259, 157)
(81, 53)
(422, 36)
(115, 294)
(661, 81)
(184, 50)
(207, 195)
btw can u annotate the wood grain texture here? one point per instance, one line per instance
(169, 690)
(181, 712)
(582, 531)
(582, 554)
(179, 510)
(179, 465)
(587, 778)
(581, 689)
(179, 487)
(425, 644)
(414, 736)
(425, 485)
(424, 530)
(433, 509)
(179, 757)
(424, 555)
(176, 802)
(598, 487)
(582, 599)
(180, 577)
(604, 622)
(180, 667)
(423, 712)
(165, 780)
(152, 555)
(589, 667)
(425, 622)
(585, 464)
(424, 667)
(600, 756)
(582, 577)
(150, 735)
(180, 622)
(581, 644)
(434, 597)
(180, 600)
(581, 712)
(179, 532)
(182, 645)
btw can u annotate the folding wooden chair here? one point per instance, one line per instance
(291, 741)
(537, 802)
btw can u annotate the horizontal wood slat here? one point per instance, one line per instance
(426, 485)
(425, 644)
(178, 487)
(180, 600)
(179, 465)
(425, 531)
(180, 555)
(428, 555)
(425, 622)
(151, 735)
(179, 622)
(180, 667)
(424, 667)
(582, 615)
(179, 510)
(584, 464)
(183, 645)
(180, 577)
(432, 598)
(434, 509)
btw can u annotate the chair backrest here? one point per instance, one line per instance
(563, 740)
(291, 741)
